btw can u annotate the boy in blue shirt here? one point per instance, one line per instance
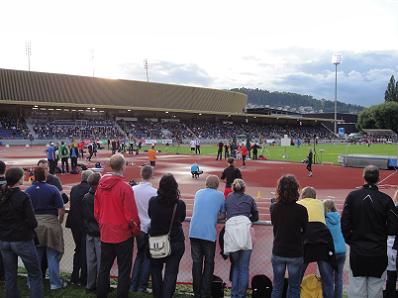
(195, 171)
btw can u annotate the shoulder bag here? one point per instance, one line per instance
(159, 246)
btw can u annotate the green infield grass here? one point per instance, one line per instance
(326, 153)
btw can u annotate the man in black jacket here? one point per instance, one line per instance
(364, 223)
(93, 243)
(2, 182)
(75, 223)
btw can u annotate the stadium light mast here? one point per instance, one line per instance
(336, 60)
(146, 69)
(28, 51)
(92, 51)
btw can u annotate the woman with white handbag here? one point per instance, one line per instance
(166, 237)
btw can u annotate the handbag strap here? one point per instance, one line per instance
(172, 219)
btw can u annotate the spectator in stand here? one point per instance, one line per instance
(219, 151)
(318, 241)
(81, 149)
(2, 182)
(289, 221)
(208, 208)
(49, 210)
(17, 224)
(241, 211)
(226, 151)
(74, 154)
(116, 213)
(52, 158)
(365, 222)
(64, 155)
(334, 226)
(91, 228)
(244, 152)
(152, 156)
(229, 174)
(143, 192)
(76, 224)
(160, 211)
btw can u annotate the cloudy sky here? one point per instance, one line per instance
(279, 45)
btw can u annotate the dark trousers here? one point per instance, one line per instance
(391, 291)
(309, 167)
(202, 253)
(141, 269)
(90, 155)
(255, 155)
(165, 287)
(197, 149)
(82, 154)
(52, 165)
(226, 154)
(1, 268)
(64, 161)
(79, 272)
(73, 161)
(219, 155)
(244, 159)
(123, 252)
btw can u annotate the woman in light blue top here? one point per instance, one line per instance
(333, 223)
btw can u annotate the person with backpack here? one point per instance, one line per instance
(334, 226)
(17, 224)
(64, 155)
(289, 221)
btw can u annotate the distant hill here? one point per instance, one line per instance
(294, 102)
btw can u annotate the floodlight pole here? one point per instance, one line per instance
(28, 49)
(146, 69)
(336, 60)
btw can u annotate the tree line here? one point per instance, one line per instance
(385, 115)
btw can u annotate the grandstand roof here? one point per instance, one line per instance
(40, 88)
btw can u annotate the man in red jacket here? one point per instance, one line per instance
(116, 213)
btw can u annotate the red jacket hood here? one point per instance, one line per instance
(108, 181)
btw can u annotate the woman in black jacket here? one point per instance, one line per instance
(160, 211)
(17, 224)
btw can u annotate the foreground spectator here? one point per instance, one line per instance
(116, 213)
(2, 182)
(17, 223)
(93, 243)
(75, 223)
(391, 284)
(208, 208)
(241, 211)
(364, 223)
(143, 192)
(52, 179)
(160, 211)
(334, 226)
(289, 221)
(318, 241)
(49, 210)
(229, 174)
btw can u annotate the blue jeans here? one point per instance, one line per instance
(326, 272)
(53, 258)
(294, 266)
(26, 250)
(338, 276)
(142, 264)
(240, 272)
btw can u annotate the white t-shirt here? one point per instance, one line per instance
(193, 144)
(142, 193)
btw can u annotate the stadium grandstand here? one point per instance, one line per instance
(38, 107)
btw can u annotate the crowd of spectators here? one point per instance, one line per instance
(80, 129)
(216, 130)
(13, 127)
